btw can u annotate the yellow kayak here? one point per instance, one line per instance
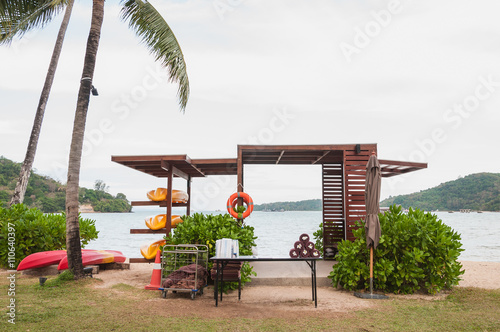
(160, 194)
(149, 250)
(160, 221)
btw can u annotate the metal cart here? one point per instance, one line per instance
(184, 269)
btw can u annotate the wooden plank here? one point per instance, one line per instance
(332, 147)
(147, 231)
(188, 191)
(240, 169)
(169, 201)
(333, 204)
(152, 203)
(148, 158)
(175, 170)
(140, 260)
(383, 162)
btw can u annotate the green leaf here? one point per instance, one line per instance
(159, 38)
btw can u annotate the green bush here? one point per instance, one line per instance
(318, 238)
(35, 231)
(416, 251)
(206, 229)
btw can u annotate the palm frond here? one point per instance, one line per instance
(20, 16)
(154, 31)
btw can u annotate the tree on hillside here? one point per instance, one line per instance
(100, 186)
(16, 17)
(159, 38)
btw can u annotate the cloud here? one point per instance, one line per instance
(260, 57)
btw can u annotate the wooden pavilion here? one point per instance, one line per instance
(343, 178)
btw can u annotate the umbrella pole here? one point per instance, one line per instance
(371, 295)
(371, 269)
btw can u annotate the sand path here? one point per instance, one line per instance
(273, 299)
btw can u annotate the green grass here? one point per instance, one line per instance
(62, 305)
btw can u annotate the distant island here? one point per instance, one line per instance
(479, 192)
(307, 205)
(49, 195)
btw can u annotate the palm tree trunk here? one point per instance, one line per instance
(75, 155)
(24, 175)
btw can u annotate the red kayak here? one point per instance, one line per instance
(41, 259)
(92, 257)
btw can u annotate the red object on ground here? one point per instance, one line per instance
(91, 257)
(41, 259)
(156, 276)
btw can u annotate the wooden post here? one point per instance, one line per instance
(240, 178)
(170, 176)
(240, 171)
(371, 269)
(188, 206)
(345, 201)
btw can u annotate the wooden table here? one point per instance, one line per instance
(222, 262)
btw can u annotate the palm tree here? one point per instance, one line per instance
(159, 38)
(13, 22)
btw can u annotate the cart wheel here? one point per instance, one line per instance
(164, 294)
(193, 295)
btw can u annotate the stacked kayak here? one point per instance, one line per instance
(160, 194)
(94, 257)
(41, 259)
(148, 251)
(89, 257)
(160, 221)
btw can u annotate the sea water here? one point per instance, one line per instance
(277, 231)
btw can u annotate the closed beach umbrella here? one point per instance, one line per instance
(372, 199)
(372, 223)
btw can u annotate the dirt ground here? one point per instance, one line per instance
(275, 301)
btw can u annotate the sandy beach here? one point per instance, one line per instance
(262, 301)
(477, 274)
(271, 301)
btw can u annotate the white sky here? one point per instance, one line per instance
(420, 78)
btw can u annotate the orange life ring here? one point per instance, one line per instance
(233, 200)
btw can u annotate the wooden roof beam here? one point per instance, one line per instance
(319, 158)
(175, 171)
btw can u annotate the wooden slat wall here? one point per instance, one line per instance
(333, 204)
(355, 174)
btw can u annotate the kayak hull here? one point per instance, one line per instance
(160, 194)
(160, 221)
(148, 251)
(94, 257)
(41, 259)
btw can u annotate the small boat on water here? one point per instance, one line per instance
(160, 221)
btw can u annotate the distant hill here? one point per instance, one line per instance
(49, 195)
(479, 191)
(307, 205)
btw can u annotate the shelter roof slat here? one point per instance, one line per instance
(268, 154)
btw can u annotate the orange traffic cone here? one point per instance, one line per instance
(156, 276)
